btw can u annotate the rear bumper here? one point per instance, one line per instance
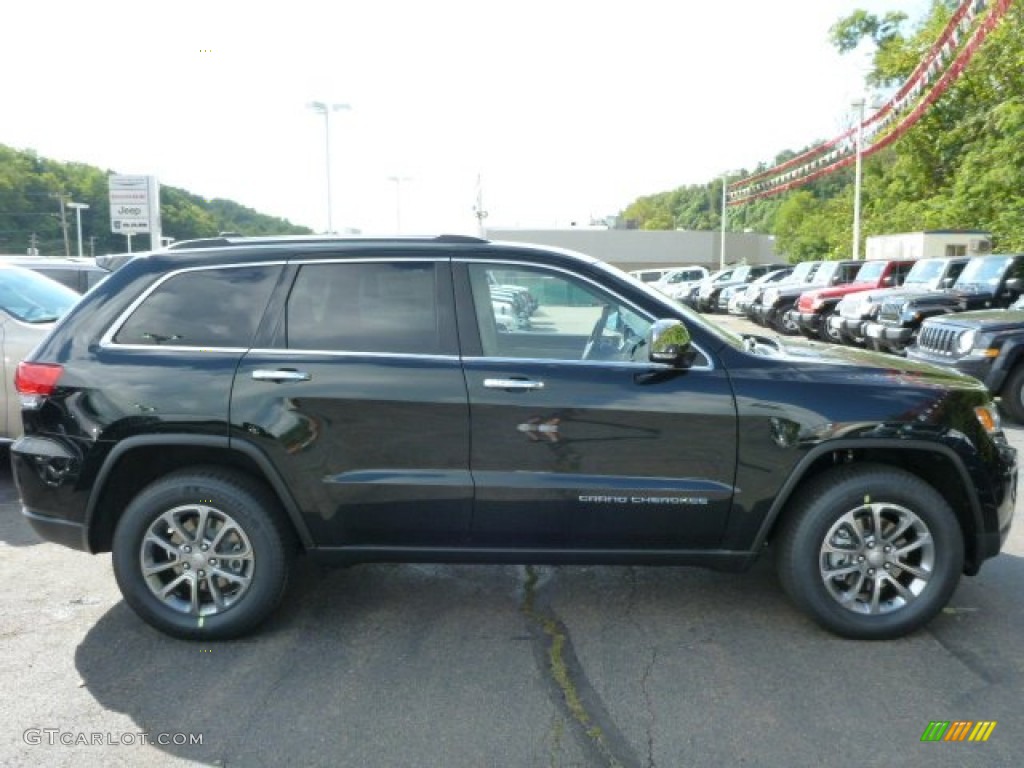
(64, 532)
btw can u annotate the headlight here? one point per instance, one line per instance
(728, 292)
(817, 303)
(965, 342)
(770, 297)
(866, 308)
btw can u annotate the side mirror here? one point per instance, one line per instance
(669, 344)
(1015, 285)
(888, 281)
(947, 282)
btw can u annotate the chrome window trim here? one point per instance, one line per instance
(175, 348)
(603, 289)
(631, 364)
(349, 353)
(107, 339)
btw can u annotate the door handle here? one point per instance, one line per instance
(513, 384)
(280, 375)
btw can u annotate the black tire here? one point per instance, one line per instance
(781, 324)
(826, 333)
(860, 599)
(1011, 396)
(227, 581)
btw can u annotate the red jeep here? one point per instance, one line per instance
(815, 307)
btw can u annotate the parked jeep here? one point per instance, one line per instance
(777, 303)
(985, 283)
(856, 310)
(205, 416)
(987, 344)
(802, 274)
(709, 292)
(815, 307)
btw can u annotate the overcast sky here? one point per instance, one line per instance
(566, 109)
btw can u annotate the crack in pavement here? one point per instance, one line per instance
(652, 719)
(569, 687)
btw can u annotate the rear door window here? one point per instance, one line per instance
(219, 307)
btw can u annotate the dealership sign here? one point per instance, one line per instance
(134, 205)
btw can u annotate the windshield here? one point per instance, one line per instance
(32, 298)
(825, 272)
(683, 274)
(984, 272)
(924, 272)
(740, 274)
(871, 272)
(802, 270)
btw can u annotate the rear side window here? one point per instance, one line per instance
(396, 307)
(202, 308)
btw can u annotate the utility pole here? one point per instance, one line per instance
(64, 221)
(33, 244)
(92, 246)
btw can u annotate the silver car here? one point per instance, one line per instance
(30, 304)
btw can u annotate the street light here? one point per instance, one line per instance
(398, 199)
(325, 109)
(78, 218)
(725, 187)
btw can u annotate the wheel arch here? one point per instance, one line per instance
(938, 465)
(136, 462)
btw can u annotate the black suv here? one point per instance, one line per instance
(207, 414)
(987, 344)
(986, 282)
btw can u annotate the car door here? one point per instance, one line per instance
(576, 440)
(358, 398)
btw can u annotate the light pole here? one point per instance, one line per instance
(78, 220)
(859, 106)
(325, 109)
(398, 200)
(725, 187)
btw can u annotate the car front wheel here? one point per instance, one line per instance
(203, 554)
(870, 552)
(1012, 395)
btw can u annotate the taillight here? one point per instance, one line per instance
(35, 382)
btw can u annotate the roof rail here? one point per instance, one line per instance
(459, 239)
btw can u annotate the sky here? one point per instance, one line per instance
(566, 111)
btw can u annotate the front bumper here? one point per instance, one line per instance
(893, 336)
(848, 327)
(808, 322)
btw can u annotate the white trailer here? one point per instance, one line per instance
(930, 244)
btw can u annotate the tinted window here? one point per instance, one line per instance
(204, 308)
(372, 307)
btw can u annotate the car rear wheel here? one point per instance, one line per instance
(870, 552)
(203, 553)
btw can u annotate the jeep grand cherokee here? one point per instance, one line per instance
(209, 413)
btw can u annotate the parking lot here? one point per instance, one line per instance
(431, 665)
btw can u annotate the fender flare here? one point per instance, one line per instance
(799, 472)
(269, 473)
